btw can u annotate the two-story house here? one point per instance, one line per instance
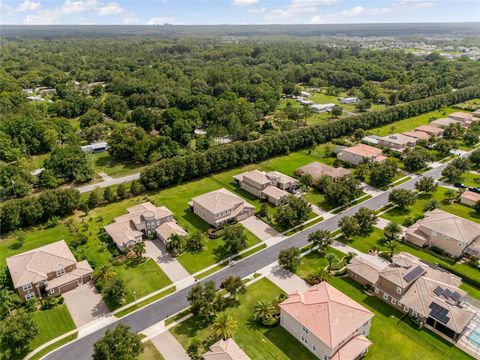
(327, 322)
(273, 186)
(419, 289)
(397, 142)
(445, 231)
(47, 270)
(359, 153)
(220, 207)
(143, 220)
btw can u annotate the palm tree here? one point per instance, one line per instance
(392, 246)
(392, 230)
(331, 258)
(431, 205)
(104, 273)
(224, 326)
(319, 275)
(139, 249)
(263, 311)
(450, 195)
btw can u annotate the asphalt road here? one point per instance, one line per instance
(157, 311)
(109, 182)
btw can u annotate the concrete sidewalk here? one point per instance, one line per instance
(374, 259)
(169, 346)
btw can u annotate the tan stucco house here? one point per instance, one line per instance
(316, 170)
(143, 220)
(48, 270)
(221, 207)
(327, 322)
(272, 186)
(360, 153)
(470, 198)
(397, 141)
(225, 350)
(465, 118)
(431, 130)
(444, 122)
(419, 135)
(445, 231)
(419, 289)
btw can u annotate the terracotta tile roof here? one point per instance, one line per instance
(352, 349)
(225, 350)
(34, 265)
(363, 150)
(220, 200)
(470, 195)
(327, 313)
(422, 135)
(400, 139)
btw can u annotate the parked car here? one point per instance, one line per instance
(474, 189)
(460, 185)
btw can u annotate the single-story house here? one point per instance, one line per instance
(200, 132)
(327, 322)
(361, 152)
(220, 207)
(444, 122)
(305, 102)
(95, 147)
(470, 198)
(305, 94)
(320, 108)
(419, 135)
(225, 350)
(48, 270)
(371, 139)
(397, 141)
(445, 231)
(431, 130)
(316, 170)
(348, 100)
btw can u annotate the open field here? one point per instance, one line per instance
(102, 162)
(276, 343)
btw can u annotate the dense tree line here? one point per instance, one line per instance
(175, 170)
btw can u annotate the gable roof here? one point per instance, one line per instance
(470, 195)
(170, 228)
(274, 192)
(398, 139)
(444, 122)
(255, 175)
(453, 226)
(33, 266)
(220, 200)
(225, 350)
(461, 115)
(326, 312)
(352, 349)
(363, 150)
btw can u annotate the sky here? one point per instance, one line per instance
(195, 12)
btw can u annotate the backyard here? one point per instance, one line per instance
(276, 343)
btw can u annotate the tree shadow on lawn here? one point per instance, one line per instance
(287, 344)
(190, 327)
(221, 253)
(195, 221)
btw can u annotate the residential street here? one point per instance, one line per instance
(155, 312)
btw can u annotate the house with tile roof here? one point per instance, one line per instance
(444, 231)
(225, 350)
(327, 322)
(470, 198)
(431, 130)
(465, 118)
(444, 122)
(316, 170)
(46, 271)
(398, 142)
(221, 207)
(420, 289)
(360, 153)
(143, 220)
(272, 186)
(419, 135)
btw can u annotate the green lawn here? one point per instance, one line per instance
(39, 355)
(396, 339)
(150, 352)
(416, 210)
(37, 160)
(315, 260)
(470, 179)
(51, 323)
(213, 252)
(411, 123)
(34, 238)
(258, 342)
(102, 162)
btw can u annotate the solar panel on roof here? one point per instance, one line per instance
(447, 293)
(438, 291)
(456, 296)
(414, 274)
(439, 313)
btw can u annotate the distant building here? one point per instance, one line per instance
(419, 135)
(35, 98)
(444, 122)
(397, 142)
(95, 147)
(431, 130)
(348, 100)
(327, 322)
(321, 108)
(465, 118)
(37, 172)
(305, 94)
(316, 170)
(48, 270)
(361, 152)
(371, 139)
(221, 207)
(470, 198)
(200, 132)
(305, 102)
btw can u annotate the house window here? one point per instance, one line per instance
(29, 296)
(399, 290)
(304, 339)
(60, 272)
(314, 348)
(52, 291)
(27, 287)
(385, 296)
(305, 329)
(414, 313)
(460, 244)
(445, 237)
(405, 308)
(325, 357)
(394, 301)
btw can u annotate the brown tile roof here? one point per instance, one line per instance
(34, 265)
(274, 192)
(317, 170)
(170, 228)
(327, 313)
(422, 135)
(470, 195)
(461, 115)
(225, 350)
(220, 200)
(430, 129)
(364, 269)
(444, 122)
(364, 150)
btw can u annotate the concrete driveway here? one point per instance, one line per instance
(259, 228)
(284, 279)
(85, 304)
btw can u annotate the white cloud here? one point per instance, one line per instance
(360, 10)
(419, 4)
(297, 8)
(72, 7)
(257, 10)
(28, 5)
(130, 20)
(45, 17)
(162, 20)
(110, 9)
(244, 2)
